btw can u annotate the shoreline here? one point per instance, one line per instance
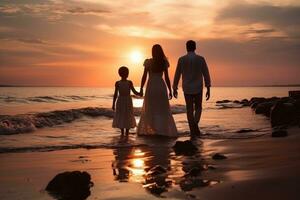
(256, 168)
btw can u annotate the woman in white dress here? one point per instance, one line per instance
(156, 117)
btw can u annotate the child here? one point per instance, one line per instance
(124, 118)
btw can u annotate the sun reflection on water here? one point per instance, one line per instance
(137, 166)
(138, 103)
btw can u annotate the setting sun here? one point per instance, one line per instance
(136, 56)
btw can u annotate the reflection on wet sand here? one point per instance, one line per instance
(158, 168)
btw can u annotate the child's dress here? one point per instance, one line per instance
(124, 117)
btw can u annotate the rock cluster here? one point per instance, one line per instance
(281, 111)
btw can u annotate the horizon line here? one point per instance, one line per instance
(265, 85)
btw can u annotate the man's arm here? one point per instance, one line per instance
(177, 78)
(207, 80)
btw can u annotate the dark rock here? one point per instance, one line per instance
(155, 189)
(295, 94)
(245, 130)
(283, 113)
(264, 108)
(236, 101)
(279, 133)
(255, 101)
(273, 99)
(245, 102)
(190, 183)
(218, 156)
(70, 185)
(196, 171)
(211, 167)
(223, 101)
(287, 100)
(254, 104)
(156, 170)
(185, 148)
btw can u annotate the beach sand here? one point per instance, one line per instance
(257, 168)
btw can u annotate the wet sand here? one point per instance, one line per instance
(258, 168)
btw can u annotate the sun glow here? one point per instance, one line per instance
(136, 56)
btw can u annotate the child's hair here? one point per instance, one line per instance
(123, 72)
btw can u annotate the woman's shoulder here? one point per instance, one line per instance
(147, 62)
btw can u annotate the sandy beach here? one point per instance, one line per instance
(258, 168)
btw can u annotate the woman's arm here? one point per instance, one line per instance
(144, 78)
(167, 79)
(133, 89)
(115, 95)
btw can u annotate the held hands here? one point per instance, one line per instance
(175, 93)
(141, 92)
(207, 93)
(170, 95)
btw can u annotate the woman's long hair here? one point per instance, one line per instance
(160, 61)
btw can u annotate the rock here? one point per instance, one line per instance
(223, 101)
(283, 113)
(156, 170)
(245, 102)
(70, 185)
(295, 94)
(279, 133)
(218, 156)
(155, 189)
(190, 183)
(185, 148)
(236, 101)
(245, 130)
(264, 108)
(196, 171)
(255, 101)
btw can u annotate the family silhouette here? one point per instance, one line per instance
(156, 117)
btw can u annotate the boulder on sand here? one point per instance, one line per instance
(185, 148)
(218, 156)
(254, 101)
(70, 185)
(264, 108)
(283, 113)
(279, 133)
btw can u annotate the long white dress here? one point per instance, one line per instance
(156, 117)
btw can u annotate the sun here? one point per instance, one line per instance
(136, 56)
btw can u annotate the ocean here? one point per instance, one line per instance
(56, 118)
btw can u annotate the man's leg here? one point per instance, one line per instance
(190, 111)
(198, 110)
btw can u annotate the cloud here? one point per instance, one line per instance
(137, 31)
(52, 10)
(284, 19)
(32, 40)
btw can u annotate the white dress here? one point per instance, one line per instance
(156, 117)
(124, 117)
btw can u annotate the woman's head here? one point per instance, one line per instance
(123, 72)
(159, 58)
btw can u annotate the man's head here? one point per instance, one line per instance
(191, 46)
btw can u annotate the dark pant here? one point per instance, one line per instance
(193, 111)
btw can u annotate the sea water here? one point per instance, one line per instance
(59, 130)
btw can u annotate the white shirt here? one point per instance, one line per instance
(193, 69)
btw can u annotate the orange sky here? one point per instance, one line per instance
(83, 42)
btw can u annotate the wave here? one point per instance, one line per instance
(24, 123)
(65, 147)
(140, 142)
(47, 99)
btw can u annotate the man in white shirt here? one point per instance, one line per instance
(193, 69)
